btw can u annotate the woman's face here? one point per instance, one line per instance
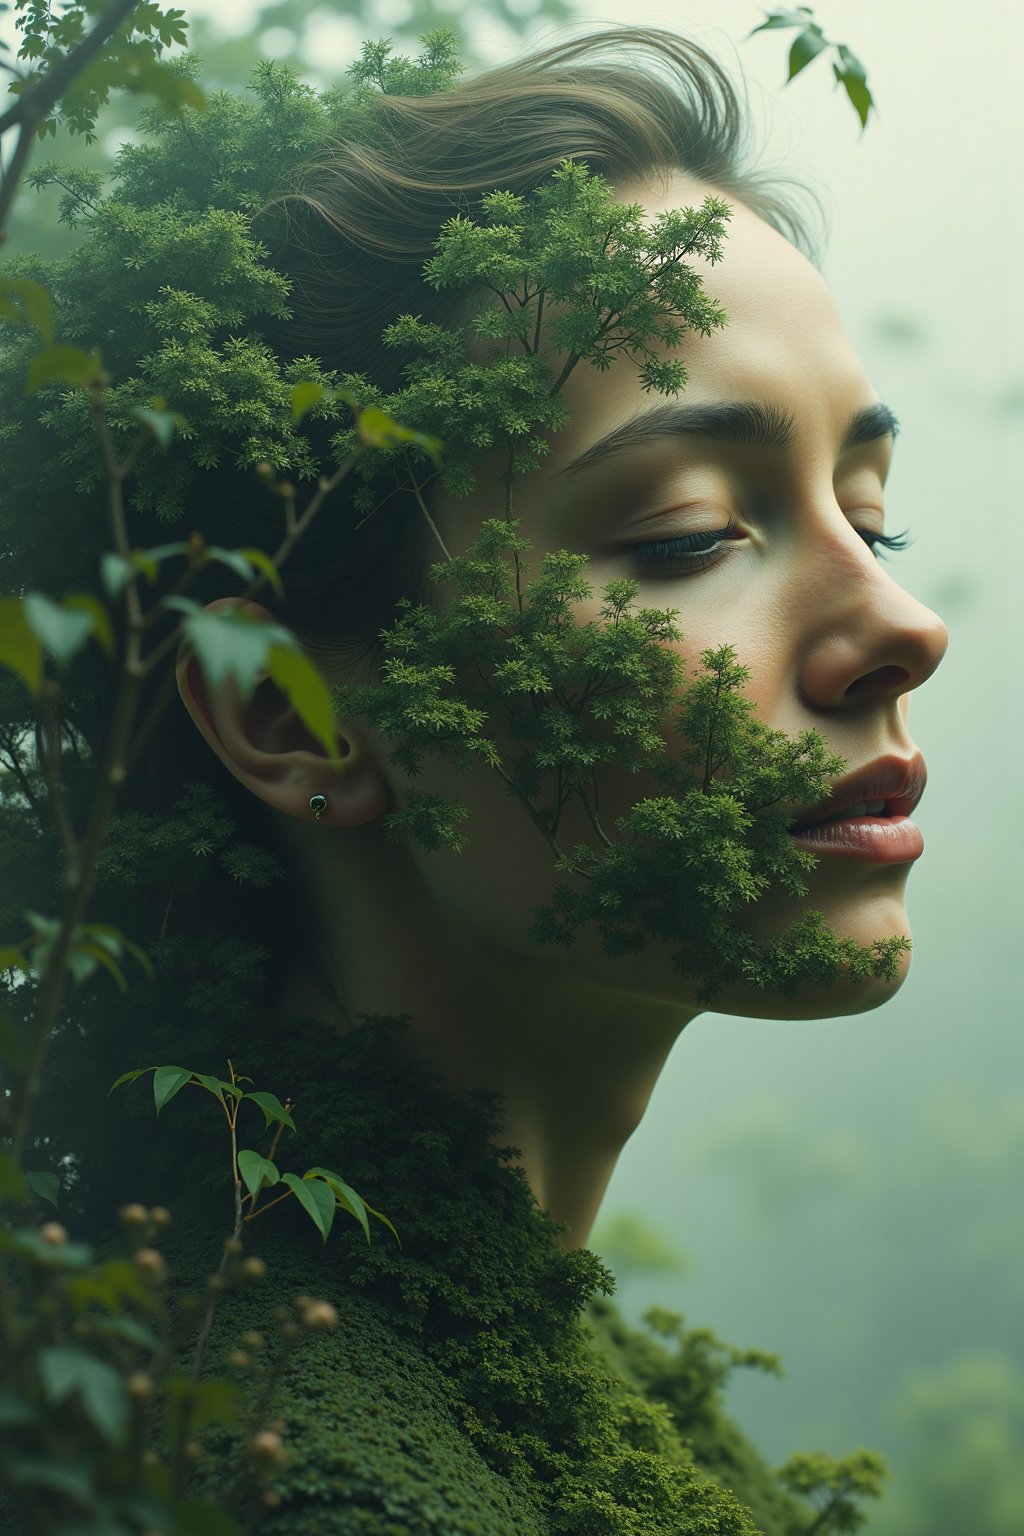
(831, 640)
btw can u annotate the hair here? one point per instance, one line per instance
(350, 228)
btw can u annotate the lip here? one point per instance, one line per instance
(899, 781)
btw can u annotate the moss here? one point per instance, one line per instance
(478, 1380)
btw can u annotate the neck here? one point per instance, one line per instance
(576, 1065)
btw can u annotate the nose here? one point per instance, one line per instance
(869, 639)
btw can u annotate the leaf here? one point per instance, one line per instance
(89, 604)
(315, 1197)
(852, 76)
(256, 1170)
(127, 1077)
(304, 396)
(379, 430)
(272, 1108)
(777, 19)
(52, 1255)
(23, 300)
(297, 677)
(62, 633)
(20, 650)
(384, 1219)
(345, 1194)
(46, 1186)
(64, 1371)
(163, 423)
(167, 1081)
(12, 1180)
(235, 645)
(65, 365)
(113, 941)
(263, 562)
(241, 561)
(805, 48)
(109, 1285)
(214, 1085)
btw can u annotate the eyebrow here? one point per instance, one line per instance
(743, 423)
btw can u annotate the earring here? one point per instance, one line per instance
(318, 804)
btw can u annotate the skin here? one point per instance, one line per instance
(574, 1040)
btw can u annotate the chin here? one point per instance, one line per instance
(884, 917)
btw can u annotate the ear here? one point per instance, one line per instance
(268, 748)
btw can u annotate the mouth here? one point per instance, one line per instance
(868, 813)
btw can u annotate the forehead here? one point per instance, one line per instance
(783, 341)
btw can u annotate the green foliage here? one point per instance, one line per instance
(129, 61)
(688, 860)
(98, 1389)
(566, 276)
(809, 42)
(834, 1484)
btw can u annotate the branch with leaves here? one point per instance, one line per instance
(809, 42)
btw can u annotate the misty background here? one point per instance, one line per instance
(846, 1192)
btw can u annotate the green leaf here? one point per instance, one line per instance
(163, 423)
(65, 365)
(15, 1411)
(64, 1371)
(109, 1285)
(272, 1108)
(256, 1170)
(52, 1255)
(777, 19)
(20, 650)
(310, 696)
(242, 561)
(23, 300)
(12, 1180)
(316, 1197)
(853, 79)
(127, 1077)
(214, 1085)
(384, 1219)
(304, 396)
(345, 1195)
(167, 1081)
(46, 1186)
(805, 48)
(62, 634)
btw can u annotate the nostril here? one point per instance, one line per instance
(882, 677)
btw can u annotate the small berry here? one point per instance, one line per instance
(52, 1232)
(161, 1215)
(233, 1245)
(267, 1445)
(238, 1357)
(139, 1385)
(272, 1499)
(253, 1339)
(150, 1262)
(321, 1315)
(133, 1215)
(254, 1267)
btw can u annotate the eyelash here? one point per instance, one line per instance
(697, 550)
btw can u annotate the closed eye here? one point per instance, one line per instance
(692, 552)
